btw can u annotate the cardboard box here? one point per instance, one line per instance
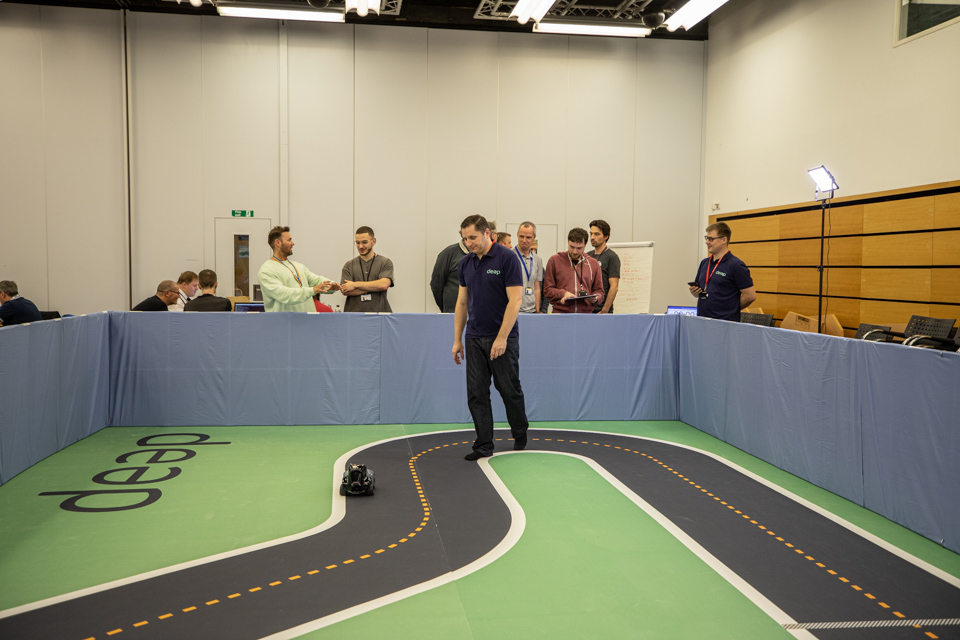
(796, 322)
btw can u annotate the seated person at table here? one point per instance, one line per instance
(15, 309)
(208, 300)
(166, 295)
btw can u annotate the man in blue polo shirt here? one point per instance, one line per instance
(13, 308)
(723, 285)
(491, 287)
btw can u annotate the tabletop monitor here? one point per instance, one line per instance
(681, 311)
(248, 306)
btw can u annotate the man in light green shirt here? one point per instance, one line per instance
(288, 285)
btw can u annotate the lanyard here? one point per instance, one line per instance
(293, 270)
(524, 262)
(710, 273)
(366, 276)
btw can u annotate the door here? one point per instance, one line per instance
(240, 249)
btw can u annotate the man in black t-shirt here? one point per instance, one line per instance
(208, 300)
(366, 278)
(609, 264)
(167, 294)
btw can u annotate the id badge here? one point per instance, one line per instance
(528, 291)
(366, 297)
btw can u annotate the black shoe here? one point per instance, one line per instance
(473, 455)
(519, 444)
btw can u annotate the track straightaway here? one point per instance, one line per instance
(435, 517)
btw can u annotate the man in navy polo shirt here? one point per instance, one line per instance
(491, 286)
(723, 284)
(13, 308)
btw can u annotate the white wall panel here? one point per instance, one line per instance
(461, 137)
(70, 181)
(23, 203)
(795, 84)
(241, 137)
(533, 151)
(667, 184)
(167, 123)
(320, 81)
(391, 152)
(600, 126)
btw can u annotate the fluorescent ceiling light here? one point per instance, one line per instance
(691, 13)
(362, 7)
(582, 29)
(536, 9)
(823, 178)
(280, 14)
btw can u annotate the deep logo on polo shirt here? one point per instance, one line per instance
(721, 273)
(493, 272)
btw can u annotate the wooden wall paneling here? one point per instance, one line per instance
(769, 303)
(946, 210)
(765, 278)
(801, 224)
(804, 305)
(840, 221)
(946, 247)
(800, 252)
(847, 311)
(803, 280)
(895, 284)
(749, 229)
(898, 215)
(841, 282)
(908, 248)
(945, 285)
(757, 254)
(843, 251)
(951, 311)
(844, 221)
(888, 313)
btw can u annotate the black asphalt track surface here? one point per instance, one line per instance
(812, 568)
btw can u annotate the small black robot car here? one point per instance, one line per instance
(357, 481)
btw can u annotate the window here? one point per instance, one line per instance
(919, 17)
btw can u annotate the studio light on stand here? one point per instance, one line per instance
(823, 193)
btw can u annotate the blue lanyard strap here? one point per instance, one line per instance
(524, 262)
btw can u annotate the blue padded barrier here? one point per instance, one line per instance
(911, 438)
(179, 369)
(875, 423)
(53, 388)
(571, 368)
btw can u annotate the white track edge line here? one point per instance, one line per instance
(518, 522)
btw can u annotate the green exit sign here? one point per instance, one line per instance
(241, 213)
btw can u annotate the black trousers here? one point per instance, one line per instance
(505, 371)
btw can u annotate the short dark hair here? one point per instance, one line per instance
(275, 233)
(503, 235)
(9, 287)
(578, 235)
(366, 230)
(478, 222)
(603, 226)
(722, 229)
(208, 278)
(187, 277)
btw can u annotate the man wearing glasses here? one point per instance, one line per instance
(723, 285)
(167, 294)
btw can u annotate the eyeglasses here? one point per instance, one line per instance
(176, 291)
(711, 239)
